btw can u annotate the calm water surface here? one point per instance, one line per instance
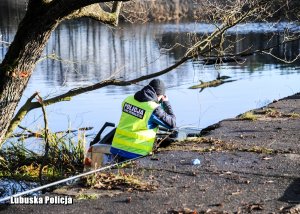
(89, 52)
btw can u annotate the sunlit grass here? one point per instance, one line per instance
(294, 115)
(65, 158)
(249, 115)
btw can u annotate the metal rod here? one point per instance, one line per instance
(65, 180)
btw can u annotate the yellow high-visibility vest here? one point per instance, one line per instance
(132, 134)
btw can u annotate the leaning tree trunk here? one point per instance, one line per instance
(20, 60)
(41, 18)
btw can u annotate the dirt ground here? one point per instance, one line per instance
(246, 166)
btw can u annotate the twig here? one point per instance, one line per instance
(39, 135)
(46, 137)
(26, 129)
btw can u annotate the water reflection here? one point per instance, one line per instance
(91, 52)
(95, 52)
(88, 52)
(11, 12)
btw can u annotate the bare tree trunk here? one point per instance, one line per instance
(20, 60)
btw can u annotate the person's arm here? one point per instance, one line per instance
(163, 116)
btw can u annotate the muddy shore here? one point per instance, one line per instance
(246, 166)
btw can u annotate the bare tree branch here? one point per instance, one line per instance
(266, 50)
(20, 115)
(86, 8)
(95, 11)
(281, 59)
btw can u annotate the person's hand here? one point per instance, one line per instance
(165, 98)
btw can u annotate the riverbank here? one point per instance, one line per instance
(246, 165)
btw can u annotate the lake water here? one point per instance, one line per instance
(91, 52)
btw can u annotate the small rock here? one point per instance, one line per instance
(128, 199)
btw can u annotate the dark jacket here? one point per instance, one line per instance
(163, 115)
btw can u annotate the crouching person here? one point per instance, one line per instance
(142, 113)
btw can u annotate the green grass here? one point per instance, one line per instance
(249, 115)
(82, 196)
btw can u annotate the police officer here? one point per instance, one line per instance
(141, 115)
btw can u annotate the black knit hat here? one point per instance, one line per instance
(158, 86)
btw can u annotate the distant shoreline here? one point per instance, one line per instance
(146, 11)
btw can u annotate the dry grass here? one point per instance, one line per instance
(120, 180)
(249, 115)
(274, 113)
(267, 113)
(214, 145)
(65, 158)
(259, 149)
(294, 115)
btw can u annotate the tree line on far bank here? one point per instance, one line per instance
(163, 11)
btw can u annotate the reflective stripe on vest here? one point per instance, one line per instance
(132, 134)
